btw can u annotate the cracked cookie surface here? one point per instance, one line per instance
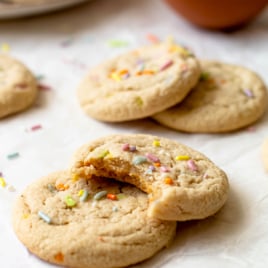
(182, 183)
(82, 223)
(227, 98)
(139, 83)
(18, 87)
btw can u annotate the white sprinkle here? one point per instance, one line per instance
(44, 217)
(100, 195)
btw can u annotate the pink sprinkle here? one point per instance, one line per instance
(248, 93)
(192, 165)
(125, 147)
(36, 127)
(166, 65)
(164, 169)
(152, 157)
(44, 87)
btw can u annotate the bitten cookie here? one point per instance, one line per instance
(265, 154)
(183, 184)
(139, 83)
(227, 98)
(18, 86)
(82, 223)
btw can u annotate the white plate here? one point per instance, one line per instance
(10, 10)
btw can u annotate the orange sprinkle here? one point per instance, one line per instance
(157, 164)
(152, 38)
(145, 72)
(59, 257)
(111, 196)
(223, 81)
(168, 181)
(122, 72)
(62, 187)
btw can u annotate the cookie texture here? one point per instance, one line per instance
(82, 223)
(182, 183)
(265, 154)
(139, 83)
(18, 86)
(227, 98)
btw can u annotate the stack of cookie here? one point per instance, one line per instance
(165, 81)
(90, 217)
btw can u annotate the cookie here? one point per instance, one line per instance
(182, 183)
(265, 154)
(18, 86)
(82, 223)
(227, 98)
(139, 83)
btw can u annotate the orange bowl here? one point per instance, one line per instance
(223, 14)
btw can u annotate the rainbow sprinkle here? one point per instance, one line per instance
(84, 196)
(248, 93)
(166, 65)
(59, 257)
(139, 160)
(182, 157)
(104, 154)
(13, 156)
(2, 182)
(112, 197)
(168, 181)
(100, 195)
(70, 202)
(192, 165)
(36, 127)
(44, 217)
(139, 101)
(152, 157)
(156, 143)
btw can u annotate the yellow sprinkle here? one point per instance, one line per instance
(115, 76)
(5, 47)
(182, 157)
(109, 155)
(104, 154)
(75, 178)
(2, 182)
(25, 216)
(156, 143)
(181, 50)
(139, 101)
(80, 193)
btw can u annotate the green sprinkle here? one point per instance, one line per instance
(103, 154)
(204, 76)
(44, 217)
(117, 43)
(100, 195)
(70, 202)
(84, 196)
(121, 196)
(13, 156)
(139, 160)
